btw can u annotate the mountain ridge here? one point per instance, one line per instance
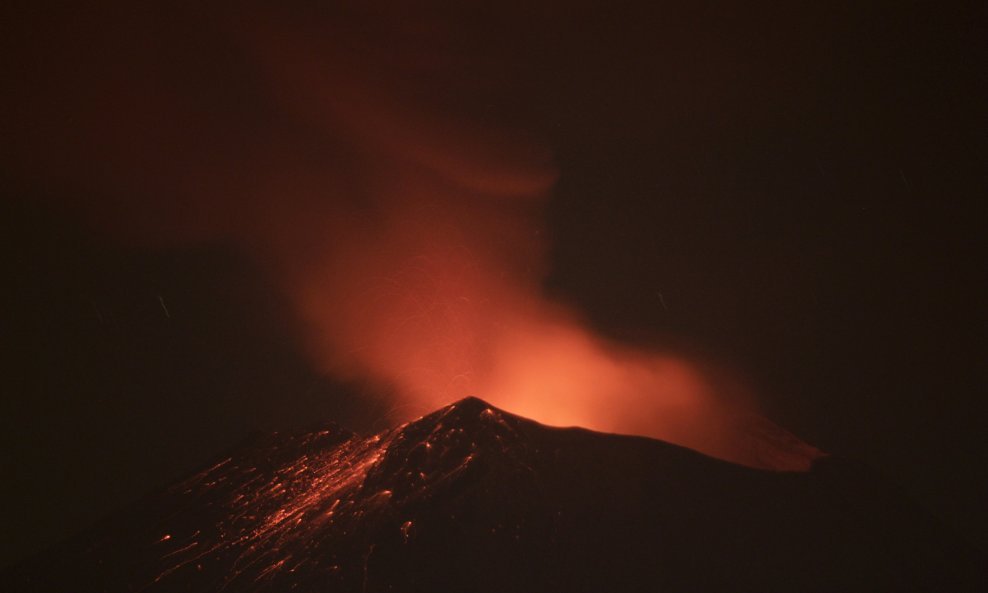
(472, 498)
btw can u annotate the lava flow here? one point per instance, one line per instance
(471, 498)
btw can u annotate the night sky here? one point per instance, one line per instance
(795, 190)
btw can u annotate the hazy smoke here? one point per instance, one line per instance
(349, 152)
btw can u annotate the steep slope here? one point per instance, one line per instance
(471, 498)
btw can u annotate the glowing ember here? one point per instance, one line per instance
(275, 511)
(473, 498)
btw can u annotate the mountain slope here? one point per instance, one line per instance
(471, 498)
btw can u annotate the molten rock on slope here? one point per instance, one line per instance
(471, 498)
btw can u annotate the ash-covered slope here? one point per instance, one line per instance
(471, 498)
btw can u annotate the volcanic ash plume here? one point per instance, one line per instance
(350, 154)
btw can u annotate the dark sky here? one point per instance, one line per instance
(797, 190)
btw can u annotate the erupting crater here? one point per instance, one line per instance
(471, 498)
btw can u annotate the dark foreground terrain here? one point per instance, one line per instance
(471, 498)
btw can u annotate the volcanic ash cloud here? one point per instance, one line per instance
(350, 154)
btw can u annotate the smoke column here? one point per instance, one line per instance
(347, 151)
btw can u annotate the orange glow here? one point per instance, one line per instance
(438, 295)
(406, 232)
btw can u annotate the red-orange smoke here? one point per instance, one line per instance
(349, 153)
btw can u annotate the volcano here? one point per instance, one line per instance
(471, 498)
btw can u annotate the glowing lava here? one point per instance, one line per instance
(313, 507)
(471, 498)
(288, 508)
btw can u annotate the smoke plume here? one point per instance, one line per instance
(353, 154)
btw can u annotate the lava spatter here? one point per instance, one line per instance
(471, 498)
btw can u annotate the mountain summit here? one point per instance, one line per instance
(471, 498)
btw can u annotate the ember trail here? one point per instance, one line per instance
(471, 498)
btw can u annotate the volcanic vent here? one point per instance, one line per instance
(471, 498)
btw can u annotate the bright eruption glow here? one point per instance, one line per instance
(404, 227)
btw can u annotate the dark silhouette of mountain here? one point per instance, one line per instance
(471, 498)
